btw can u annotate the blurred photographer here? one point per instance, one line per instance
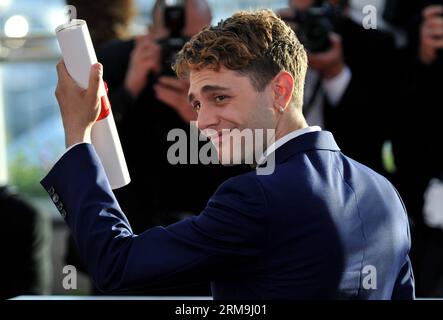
(349, 78)
(418, 146)
(151, 55)
(316, 23)
(107, 19)
(431, 35)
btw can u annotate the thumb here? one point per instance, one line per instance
(95, 79)
(335, 39)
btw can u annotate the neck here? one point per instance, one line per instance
(290, 121)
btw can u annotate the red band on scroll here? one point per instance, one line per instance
(105, 105)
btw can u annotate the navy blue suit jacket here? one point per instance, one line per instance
(321, 226)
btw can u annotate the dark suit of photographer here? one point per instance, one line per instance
(418, 147)
(139, 92)
(349, 83)
(25, 258)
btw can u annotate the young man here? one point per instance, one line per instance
(320, 226)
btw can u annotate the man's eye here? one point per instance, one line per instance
(220, 98)
(196, 106)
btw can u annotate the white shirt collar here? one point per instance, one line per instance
(291, 135)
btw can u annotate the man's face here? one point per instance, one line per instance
(227, 100)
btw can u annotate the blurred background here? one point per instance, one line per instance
(31, 133)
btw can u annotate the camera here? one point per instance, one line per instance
(314, 25)
(175, 20)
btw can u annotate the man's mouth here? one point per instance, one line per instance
(217, 137)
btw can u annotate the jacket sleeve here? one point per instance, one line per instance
(228, 233)
(404, 288)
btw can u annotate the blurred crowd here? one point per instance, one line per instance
(377, 89)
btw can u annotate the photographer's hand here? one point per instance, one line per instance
(330, 63)
(174, 93)
(431, 34)
(145, 58)
(79, 108)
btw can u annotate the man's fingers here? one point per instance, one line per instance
(143, 47)
(323, 57)
(146, 55)
(151, 53)
(62, 72)
(60, 65)
(167, 96)
(142, 39)
(146, 38)
(145, 42)
(335, 39)
(317, 58)
(174, 83)
(95, 78)
(65, 81)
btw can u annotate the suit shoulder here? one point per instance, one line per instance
(371, 176)
(245, 187)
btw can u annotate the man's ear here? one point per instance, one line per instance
(283, 86)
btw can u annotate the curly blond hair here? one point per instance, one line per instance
(258, 44)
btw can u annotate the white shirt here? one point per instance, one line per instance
(291, 135)
(333, 88)
(66, 151)
(433, 204)
(336, 87)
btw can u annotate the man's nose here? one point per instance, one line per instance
(207, 118)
